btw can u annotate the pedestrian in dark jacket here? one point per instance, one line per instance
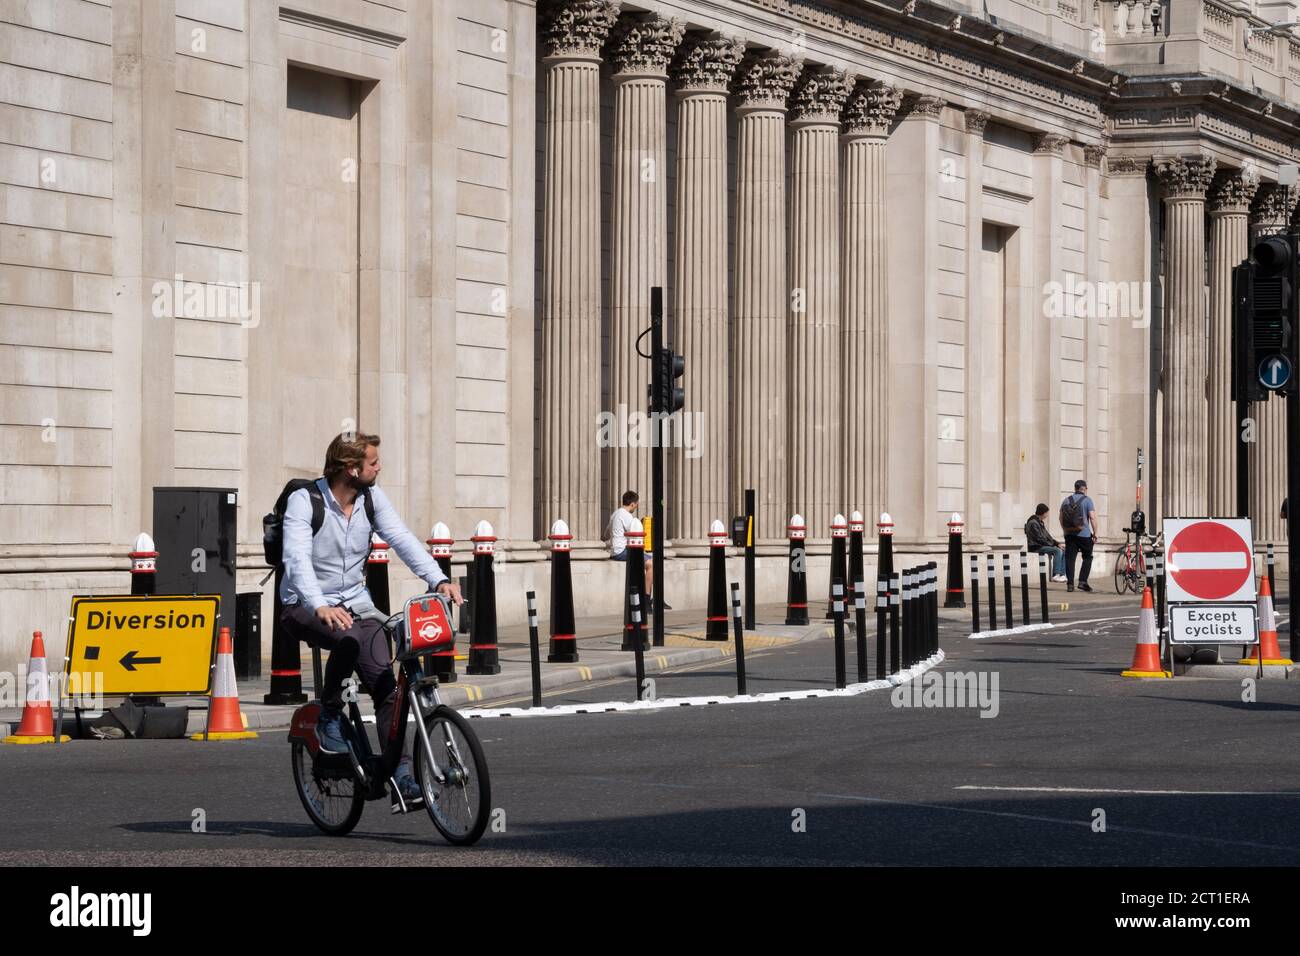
(1040, 542)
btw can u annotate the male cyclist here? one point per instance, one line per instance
(324, 585)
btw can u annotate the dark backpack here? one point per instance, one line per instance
(273, 523)
(1072, 514)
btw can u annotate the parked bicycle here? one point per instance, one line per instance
(1131, 560)
(448, 759)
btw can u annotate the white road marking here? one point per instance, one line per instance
(1172, 793)
(1208, 561)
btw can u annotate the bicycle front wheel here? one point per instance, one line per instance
(458, 805)
(334, 805)
(1123, 570)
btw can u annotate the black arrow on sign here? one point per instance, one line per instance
(129, 660)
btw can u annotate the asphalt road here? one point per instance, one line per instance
(1181, 772)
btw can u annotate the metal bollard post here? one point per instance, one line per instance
(933, 646)
(1160, 591)
(860, 607)
(882, 622)
(1006, 589)
(974, 594)
(1024, 587)
(837, 609)
(895, 596)
(1042, 586)
(1272, 580)
(991, 576)
(738, 620)
(905, 612)
(638, 645)
(955, 596)
(534, 650)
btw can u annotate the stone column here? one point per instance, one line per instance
(868, 115)
(816, 449)
(979, 512)
(703, 73)
(1186, 412)
(573, 32)
(1229, 203)
(1042, 393)
(758, 399)
(639, 52)
(1097, 354)
(1269, 214)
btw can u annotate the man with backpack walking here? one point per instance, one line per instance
(1079, 522)
(325, 544)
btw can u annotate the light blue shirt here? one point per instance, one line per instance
(330, 568)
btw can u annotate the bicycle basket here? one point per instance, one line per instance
(427, 626)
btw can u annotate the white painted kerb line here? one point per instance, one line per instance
(1208, 561)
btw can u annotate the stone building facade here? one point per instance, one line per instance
(924, 257)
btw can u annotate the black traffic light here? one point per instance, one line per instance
(669, 366)
(1267, 332)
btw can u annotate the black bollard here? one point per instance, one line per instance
(483, 656)
(377, 574)
(738, 622)
(860, 623)
(1042, 585)
(909, 617)
(634, 632)
(442, 662)
(796, 604)
(634, 619)
(895, 608)
(956, 592)
(974, 594)
(534, 651)
(1024, 587)
(715, 628)
(932, 638)
(882, 623)
(751, 556)
(839, 561)
(992, 578)
(1268, 563)
(885, 544)
(1160, 592)
(857, 529)
(1006, 589)
(144, 565)
(564, 628)
(837, 613)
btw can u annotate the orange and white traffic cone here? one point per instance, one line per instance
(225, 722)
(1267, 631)
(37, 725)
(1146, 656)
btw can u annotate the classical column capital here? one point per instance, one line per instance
(765, 80)
(819, 95)
(1050, 144)
(1185, 177)
(706, 64)
(1272, 206)
(1231, 190)
(870, 110)
(926, 107)
(576, 27)
(1094, 153)
(644, 44)
(976, 121)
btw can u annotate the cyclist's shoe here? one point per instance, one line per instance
(329, 733)
(408, 787)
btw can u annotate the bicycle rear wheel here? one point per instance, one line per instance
(334, 805)
(458, 806)
(1123, 570)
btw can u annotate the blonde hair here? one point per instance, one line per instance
(347, 450)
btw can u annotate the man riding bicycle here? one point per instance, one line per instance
(324, 584)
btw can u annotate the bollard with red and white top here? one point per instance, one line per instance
(564, 637)
(885, 543)
(839, 562)
(956, 593)
(377, 573)
(796, 605)
(443, 660)
(716, 625)
(144, 566)
(635, 635)
(857, 531)
(483, 653)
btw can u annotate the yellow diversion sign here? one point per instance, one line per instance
(143, 644)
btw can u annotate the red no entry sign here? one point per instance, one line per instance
(1209, 559)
